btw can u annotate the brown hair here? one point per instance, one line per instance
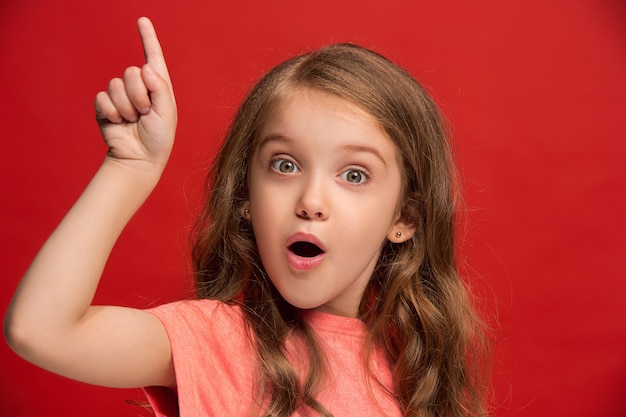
(415, 305)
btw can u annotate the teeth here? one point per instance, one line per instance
(305, 249)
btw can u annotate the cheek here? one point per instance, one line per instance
(263, 202)
(256, 193)
(267, 211)
(369, 223)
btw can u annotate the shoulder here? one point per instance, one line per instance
(196, 309)
(214, 359)
(202, 321)
(205, 334)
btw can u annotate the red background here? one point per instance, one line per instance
(535, 92)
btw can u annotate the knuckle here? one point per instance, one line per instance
(132, 72)
(115, 85)
(100, 96)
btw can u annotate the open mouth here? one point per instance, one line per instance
(305, 249)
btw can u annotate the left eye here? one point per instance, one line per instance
(354, 176)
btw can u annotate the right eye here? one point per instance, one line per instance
(284, 166)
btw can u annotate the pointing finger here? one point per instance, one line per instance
(152, 49)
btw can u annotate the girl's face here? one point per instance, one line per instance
(324, 185)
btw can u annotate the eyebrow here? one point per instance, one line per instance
(365, 148)
(276, 137)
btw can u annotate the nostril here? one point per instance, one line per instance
(303, 214)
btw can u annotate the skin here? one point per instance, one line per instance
(325, 172)
(51, 321)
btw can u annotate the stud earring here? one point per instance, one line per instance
(246, 212)
(398, 234)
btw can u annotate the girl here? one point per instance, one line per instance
(323, 258)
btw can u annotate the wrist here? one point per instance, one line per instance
(135, 172)
(126, 183)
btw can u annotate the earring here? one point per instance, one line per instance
(246, 212)
(398, 234)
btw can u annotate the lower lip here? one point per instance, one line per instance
(302, 263)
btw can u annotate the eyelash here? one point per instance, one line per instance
(275, 164)
(364, 176)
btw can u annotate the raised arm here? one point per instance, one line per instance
(50, 321)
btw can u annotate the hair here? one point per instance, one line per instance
(415, 306)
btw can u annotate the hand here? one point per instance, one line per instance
(137, 114)
(51, 321)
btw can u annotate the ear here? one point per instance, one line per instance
(401, 230)
(245, 211)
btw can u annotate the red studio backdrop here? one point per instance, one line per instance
(535, 93)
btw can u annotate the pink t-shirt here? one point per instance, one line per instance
(216, 366)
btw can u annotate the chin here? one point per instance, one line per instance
(301, 304)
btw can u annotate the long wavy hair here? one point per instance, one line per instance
(416, 306)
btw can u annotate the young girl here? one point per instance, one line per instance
(323, 258)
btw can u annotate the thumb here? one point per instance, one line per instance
(161, 96)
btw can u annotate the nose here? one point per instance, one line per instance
(312, 204)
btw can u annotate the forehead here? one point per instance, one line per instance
(305, 111)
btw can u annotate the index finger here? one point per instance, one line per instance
(152, 48)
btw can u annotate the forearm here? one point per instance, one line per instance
(50, 321)
(59, 286)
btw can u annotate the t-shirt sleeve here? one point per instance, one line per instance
(213, 360)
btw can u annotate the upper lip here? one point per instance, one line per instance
(305, 237)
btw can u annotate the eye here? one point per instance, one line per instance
(354, 176)
(284, 165)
